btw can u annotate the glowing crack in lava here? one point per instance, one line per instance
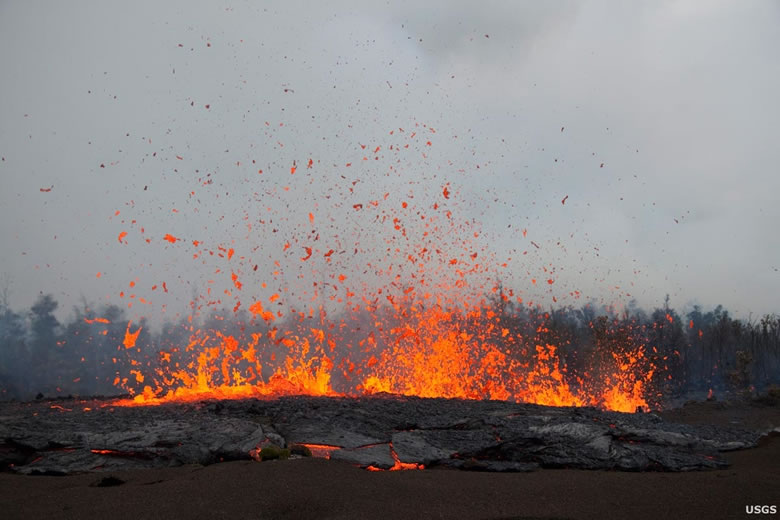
(416, 308)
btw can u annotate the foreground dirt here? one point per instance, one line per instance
(315, 488)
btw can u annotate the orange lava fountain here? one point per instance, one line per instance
(414, 316)
(431, 353)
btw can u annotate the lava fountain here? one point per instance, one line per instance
(417, 308)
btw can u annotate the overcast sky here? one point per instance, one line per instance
(635, 143)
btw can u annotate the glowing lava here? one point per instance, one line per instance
(429, 353)
(322, 451)
(419, 310)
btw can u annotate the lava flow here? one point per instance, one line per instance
(397, 464)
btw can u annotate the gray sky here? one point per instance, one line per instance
(656, 119)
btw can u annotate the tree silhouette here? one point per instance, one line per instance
(44, 328)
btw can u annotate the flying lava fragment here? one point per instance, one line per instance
(131, 337)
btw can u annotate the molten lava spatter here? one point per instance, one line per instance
(374, 287)
(428, 353)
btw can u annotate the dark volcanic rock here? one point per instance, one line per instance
(61, 437)
(323, 433)
(378, 456)
(430, 446)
